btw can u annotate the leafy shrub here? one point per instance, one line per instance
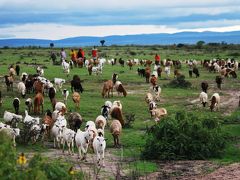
(37, 168)
(180, 82)
(184, 136)
(7, 156)
(132, 53)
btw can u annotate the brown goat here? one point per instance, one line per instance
(76, 99)
(38, 101)
(107, 88)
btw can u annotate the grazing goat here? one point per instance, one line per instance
(215, 101)
(68, 136)
(56, 133)
(66, 67)
(105, 111)
(155, 91)
(196, 72)
(75, 121)
(30, 120)
(76, 99)
(59, 82)
(11, 118)
(76, 84)
(22, 89)
(61, 107)
(219, 80)
(107, 88)
(203, 98)
(9, 82)
(99, 145)
(141, 72)
(16, 104)
(204, 86)
(38, 102)
(38, 86)
(148, 98)
(65, 94)
(51, 93)
(116, 113)
(115, 130)
(100, 122)
(147, 74)
(152, 105)
(36, 130)
(158, 113)
(17, 68)
(47, 119)
(82, 140)
(153, 80)
(167, 70)
(120, 89)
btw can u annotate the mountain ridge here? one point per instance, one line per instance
(232, 37)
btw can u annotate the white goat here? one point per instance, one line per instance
(82, 140)
(66, 67)
(30, 120)
(155, 91)
(56, 133)
(29, 104)
(59, 106)
(59, 82)
(99, 145)
(68, 137)
(10, 117)
(158, 113)
(148, 97)
(21, 89)
(65, 94)
(203, 98)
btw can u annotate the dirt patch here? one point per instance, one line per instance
(228, 103)
(111, 169)
(182, 170)
(228, 172)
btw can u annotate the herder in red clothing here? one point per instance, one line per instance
(157, 59)
(80, 53)
(94, 53)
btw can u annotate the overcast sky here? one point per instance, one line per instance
(57, 19)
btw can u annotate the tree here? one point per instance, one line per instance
(102, 42)
(51, 45)
(200, 44)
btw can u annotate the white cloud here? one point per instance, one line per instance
(208, 24)
(111, 4)
(57, 31)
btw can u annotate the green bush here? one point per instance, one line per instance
(184, 136)
(180, 82)
(36, 168)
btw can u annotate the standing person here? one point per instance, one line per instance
(63, 55)
(157, 59)
(73, 55)
(94, 53)
(81, 53)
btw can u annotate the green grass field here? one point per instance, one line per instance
(173, 99)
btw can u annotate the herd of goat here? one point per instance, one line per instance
(67, 130)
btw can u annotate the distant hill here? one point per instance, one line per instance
(142, 39)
